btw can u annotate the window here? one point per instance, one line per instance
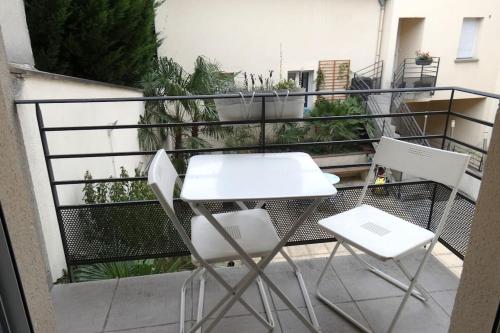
(468, 38)
(303, 79)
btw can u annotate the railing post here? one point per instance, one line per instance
(53, 188)
(425, 125)
(381, 74)
(429, 221)
(436, 75)
(263, 126)
(445, 131)
(403, 73)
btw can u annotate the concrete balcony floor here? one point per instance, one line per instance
(150, 304)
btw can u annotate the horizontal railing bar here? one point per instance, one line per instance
(475, 120)
(342, 166)
(472, 174)
(241, 122)
(223, 96)
(373, 73)
(460, 194)
(157, 125)
(368, 70)
(413, 58)
(98, 180)
(467, 145)
(408, 67)
(206, 150)
(106, 204)
(187, 253)
(375, 64)
(77, 262)
(466, 197)
(145, 202)
(415, 66)
(414, 182)
(152, 152)
(451, 248)
(144, 178)
(200, 97)
(478, 92)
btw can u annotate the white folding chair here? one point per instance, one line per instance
(385, 236)
(252, 228)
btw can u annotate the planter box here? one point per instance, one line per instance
(230, 109)
(423, 62)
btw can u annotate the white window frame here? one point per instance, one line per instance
(467, 44)
(310, 84)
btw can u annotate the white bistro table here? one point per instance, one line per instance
(256, 177)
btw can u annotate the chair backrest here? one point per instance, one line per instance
(162, 177)
(438, 165)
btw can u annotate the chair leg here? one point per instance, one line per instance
(201, 298)
(415, 293)
(182, 314)
(201, 320)
(409, 290)
(417, 287)
(265, 301)
(413, 283)
(303, 289)
(327, 302)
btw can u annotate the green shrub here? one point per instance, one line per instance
(104, 40)
(286, 85)
(121, 269)
(337, 130)
(124, 229)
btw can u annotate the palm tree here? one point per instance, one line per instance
(168, 78)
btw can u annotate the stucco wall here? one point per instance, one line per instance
(246, 35)
(410, 38)
(33, 85)
(15, 32)
(19, 207)
(477, 298)
(441, 34)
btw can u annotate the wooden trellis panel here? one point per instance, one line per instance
(336, 76)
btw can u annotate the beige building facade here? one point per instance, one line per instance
(289, 36)
(258, 36)
(445, 28)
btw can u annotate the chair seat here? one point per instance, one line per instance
(252, 229)
(376, 232)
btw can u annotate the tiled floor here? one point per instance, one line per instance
(440, 252)
(151, 304)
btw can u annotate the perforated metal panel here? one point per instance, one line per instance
(122, 231)
(457, 228)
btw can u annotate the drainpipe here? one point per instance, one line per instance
(380, 29)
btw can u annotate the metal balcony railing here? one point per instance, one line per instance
(411, 74)
(101, 232)
(369, 77)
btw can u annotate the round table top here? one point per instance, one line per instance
(333, 179)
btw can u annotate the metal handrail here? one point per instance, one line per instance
(223, 96)
(262, 146)
(409, 69)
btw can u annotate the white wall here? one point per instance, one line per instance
(246, 35)
(37, 85)
(15, 32)
(441, 33)
(410, 38)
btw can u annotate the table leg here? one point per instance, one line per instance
(258, 269)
